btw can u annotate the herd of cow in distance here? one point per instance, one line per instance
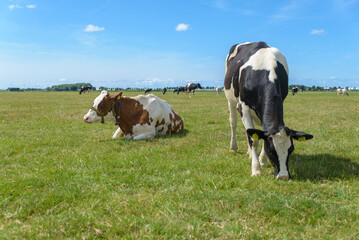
(255, 85)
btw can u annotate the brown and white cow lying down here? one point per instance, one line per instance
(138, 117)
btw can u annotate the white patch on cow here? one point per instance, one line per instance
(143, 131)
(156, 107)
(266, 59)
(282, 144)
(234, 53)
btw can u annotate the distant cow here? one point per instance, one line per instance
(342, 91)
(141, 117)
(85, 89)
(219, 90)
(164, 90)
(256, 80)
(148, 90)
(295, 90)
(179, 89)
(191, 87)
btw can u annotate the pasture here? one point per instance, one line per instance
(62, 178)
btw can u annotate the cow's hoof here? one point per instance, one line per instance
(283, 178)
(233, 149)
(256, 173)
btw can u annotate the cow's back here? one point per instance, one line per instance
(249, 63)
(162, 116)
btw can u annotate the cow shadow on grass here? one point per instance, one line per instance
(123, 140)
(322, 167)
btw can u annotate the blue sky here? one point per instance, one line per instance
(143, 43)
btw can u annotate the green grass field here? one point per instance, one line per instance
(62, 178)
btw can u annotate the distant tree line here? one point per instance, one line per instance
(71, 87)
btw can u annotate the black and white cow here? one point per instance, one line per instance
(191, 87)
(179, 89)
(85, 89)
(256, 81)
(164, 90)
(295, 90)
(148, 90)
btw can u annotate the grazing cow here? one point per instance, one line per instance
(85, 89)
(219, 90)
(179, 89)
(148, 90)
(191, 87)
(342, 91)
(256, 80)
(295, 90)
(141, 117)
(164, 90)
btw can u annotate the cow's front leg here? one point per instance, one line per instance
(256, 168)
(253, 143)
(263, 158)
(233, 123)
(117, 134)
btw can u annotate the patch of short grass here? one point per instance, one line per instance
(62, 178)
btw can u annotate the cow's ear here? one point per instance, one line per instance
(118, 95)
(300, 136)
(256, 134)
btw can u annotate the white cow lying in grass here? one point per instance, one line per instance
(138, 117)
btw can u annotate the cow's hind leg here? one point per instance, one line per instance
(233, 123)
(143, 132)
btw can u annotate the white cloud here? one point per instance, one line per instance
(62, 80)
(155, 81)
(317, 32)
(333, 77)
(11, 7)
(93, 28)
(182, 27)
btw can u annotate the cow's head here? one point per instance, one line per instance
(278, 145)
(102, 105)
(199, 86)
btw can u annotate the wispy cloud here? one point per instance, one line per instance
(13, 6)
(317, 32)
(182, 27)
(287, 12)
(93, 28)
(155, 81)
